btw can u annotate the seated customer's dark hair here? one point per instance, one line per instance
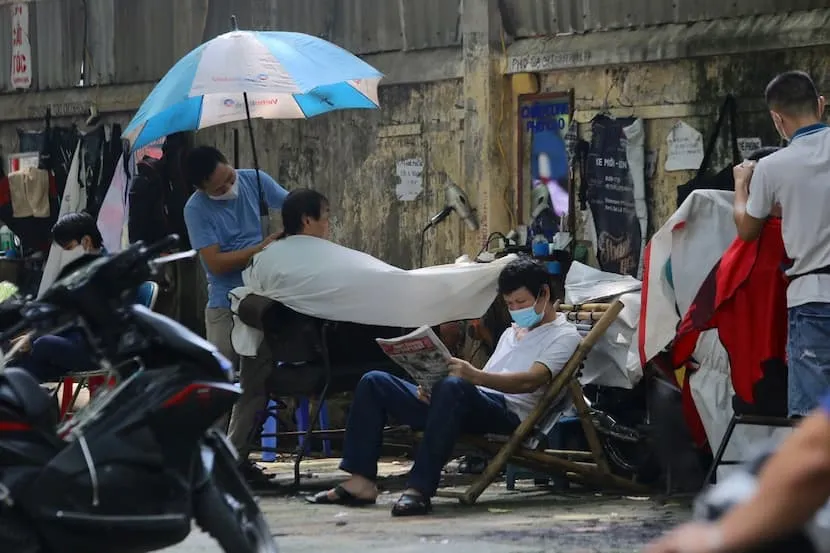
(763, 152)
(200, 164)
(523, 272)
(72, 227)
(299, 203)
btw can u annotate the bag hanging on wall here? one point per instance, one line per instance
(722, 180)
(612, 193)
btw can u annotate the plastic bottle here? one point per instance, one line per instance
(6, 239)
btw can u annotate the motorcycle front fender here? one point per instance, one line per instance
(215, 444)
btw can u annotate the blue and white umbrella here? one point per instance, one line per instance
(284, 76)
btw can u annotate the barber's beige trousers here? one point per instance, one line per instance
(253, 373)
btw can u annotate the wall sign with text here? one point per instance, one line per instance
(21, 62)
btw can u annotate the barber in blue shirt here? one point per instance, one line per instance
(223, 222)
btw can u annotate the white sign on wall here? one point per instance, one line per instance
(685, 148)
(410, 179)
(21, 66)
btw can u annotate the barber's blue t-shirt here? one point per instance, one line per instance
(233, 224)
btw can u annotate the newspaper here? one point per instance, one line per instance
(421, 354)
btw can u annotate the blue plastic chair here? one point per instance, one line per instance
(147, 294)
(270, 428)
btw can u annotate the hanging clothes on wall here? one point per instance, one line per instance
(55, 145)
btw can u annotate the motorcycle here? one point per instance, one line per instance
(129, 472)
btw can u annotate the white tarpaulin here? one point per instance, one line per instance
(113, 214)
(613, 361)
(678, 258)
(320, 278)
(74, 197)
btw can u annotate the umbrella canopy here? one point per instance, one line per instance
(284, 75)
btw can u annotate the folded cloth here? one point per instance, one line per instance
(20, 201)
(322, 279)
(29, 189)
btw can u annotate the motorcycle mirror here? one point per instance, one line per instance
(173, 257)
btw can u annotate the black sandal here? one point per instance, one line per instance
(342, 497)
(411, 505)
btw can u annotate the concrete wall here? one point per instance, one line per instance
(352, 156)
(690, 90)
(676, 72)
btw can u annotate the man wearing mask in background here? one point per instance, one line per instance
(798, 179)
(50, 357)
(223, 222)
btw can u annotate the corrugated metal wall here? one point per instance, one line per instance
(138, 40)
(132, 41)
(528, 18)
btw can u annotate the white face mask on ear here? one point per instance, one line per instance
(72, 254)
(231, 194)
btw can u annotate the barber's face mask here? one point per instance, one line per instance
(527, 317)
(231, 194)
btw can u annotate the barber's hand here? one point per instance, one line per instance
(743, 174)
(463, 369)
(268, 239)
(423, 395)
(696, 537)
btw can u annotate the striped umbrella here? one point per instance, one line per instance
(246, 74)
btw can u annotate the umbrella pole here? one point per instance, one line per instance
(263, 207)
(236, 148)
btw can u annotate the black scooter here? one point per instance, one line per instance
(129, 472)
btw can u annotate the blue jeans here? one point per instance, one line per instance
(53, 356)
(456, 406)
(808, 357)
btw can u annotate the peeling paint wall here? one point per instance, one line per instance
(663, 93)
(352, 158)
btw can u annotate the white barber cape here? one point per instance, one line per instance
(317, 277)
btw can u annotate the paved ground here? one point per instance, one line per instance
(523, 521)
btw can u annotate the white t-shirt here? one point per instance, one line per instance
(550, 344)
(798, 178)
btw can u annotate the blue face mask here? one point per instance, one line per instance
(527, 317)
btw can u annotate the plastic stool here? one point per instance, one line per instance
(269, 432)
(556, 440)
(270, 427)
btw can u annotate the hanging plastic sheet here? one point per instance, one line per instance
(74, 198)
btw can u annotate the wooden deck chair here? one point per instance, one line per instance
(586, 467)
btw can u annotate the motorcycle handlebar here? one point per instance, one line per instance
(163, 245)
(118, 270)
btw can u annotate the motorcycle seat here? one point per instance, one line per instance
(21, 391)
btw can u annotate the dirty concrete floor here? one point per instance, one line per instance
(526, 520)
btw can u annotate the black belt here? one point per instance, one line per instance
(820, 271)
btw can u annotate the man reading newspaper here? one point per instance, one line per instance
(492, 400)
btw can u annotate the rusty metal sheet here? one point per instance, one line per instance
(367, 26)
(100, 57)
(431, 23)
(56, 34)
(144, 43)
(551, 17)
(5, 47)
